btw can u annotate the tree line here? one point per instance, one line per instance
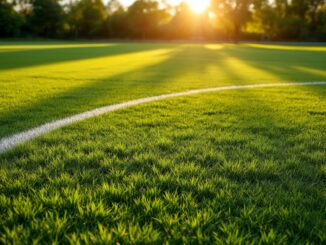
(152, 19)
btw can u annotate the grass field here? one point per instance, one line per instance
(230, 167)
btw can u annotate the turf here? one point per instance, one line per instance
(229, 167)
(44, 81)
(232, 167)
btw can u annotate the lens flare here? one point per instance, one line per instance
(198, 6)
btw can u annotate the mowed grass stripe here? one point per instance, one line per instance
(10, 142)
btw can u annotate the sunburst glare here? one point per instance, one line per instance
(198, 6)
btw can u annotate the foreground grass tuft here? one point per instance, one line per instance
(228, 168)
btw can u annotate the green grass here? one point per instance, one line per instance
(44, 81)
(231, 167)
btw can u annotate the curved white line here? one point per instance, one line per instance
(11, 141)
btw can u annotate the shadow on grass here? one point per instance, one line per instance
(16, 59)
(286, 65)
(285, 196)
(185, 68)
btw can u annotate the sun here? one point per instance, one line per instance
(198, 6)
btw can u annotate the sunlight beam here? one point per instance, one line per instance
(198, 6)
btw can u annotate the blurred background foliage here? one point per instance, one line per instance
(224, 20)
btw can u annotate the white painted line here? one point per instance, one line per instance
(11, 141)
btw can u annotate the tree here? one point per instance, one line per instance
(114, 6)
(47, 18)
(144, 18)
(10, 21)
(233, 19)
(184, 24)
(116, 22)
(321, 23)
(86, 18)
(234, 14)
